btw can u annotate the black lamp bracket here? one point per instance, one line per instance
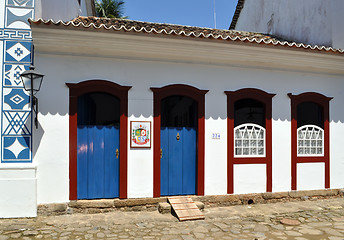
(34, 107)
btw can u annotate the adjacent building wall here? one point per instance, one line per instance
(337, 8)
(315, 22)
(64, 10)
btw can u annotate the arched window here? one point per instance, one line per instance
(309, 132)
(310, 129)
(249, 128)
(249, 131)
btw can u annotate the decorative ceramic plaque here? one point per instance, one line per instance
(140, 134)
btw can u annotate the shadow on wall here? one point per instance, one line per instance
(142, 75)
(37, 135)
(54, 94)
(57, 102)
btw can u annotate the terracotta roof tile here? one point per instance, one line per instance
(176, 30)
(139, 26)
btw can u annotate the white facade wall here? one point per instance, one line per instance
(46, 179)
(51, 139)
(315, 22)
(18, 185)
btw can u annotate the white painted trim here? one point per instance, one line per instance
(17, 167)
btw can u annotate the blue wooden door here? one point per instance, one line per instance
(178, 160)
(97, 147)
(98, 165)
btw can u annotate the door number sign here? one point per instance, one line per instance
(216, 136)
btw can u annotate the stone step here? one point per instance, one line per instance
(185, 208)
(165, 207)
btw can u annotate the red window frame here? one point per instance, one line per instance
(195, 94)
(121, 92)
(266, 99)
(324, 102)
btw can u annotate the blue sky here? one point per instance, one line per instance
(198, 13)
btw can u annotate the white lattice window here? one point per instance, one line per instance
(310, 141)
(249, 140)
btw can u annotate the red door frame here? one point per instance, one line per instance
(266, 99)
(121, 92)
(324, 102)
(197, 95)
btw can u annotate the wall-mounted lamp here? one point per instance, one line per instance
(32, 82)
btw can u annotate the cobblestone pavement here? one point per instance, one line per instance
(321, 219)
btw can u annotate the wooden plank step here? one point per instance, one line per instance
(185, 208)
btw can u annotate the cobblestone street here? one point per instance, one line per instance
(320, 219)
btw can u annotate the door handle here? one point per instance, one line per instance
(160, 153)
(117, 153)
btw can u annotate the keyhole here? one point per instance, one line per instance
(178, 137)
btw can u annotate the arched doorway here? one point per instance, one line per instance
(178, 150)
(166, 126)
(98, 122)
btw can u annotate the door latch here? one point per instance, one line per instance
(178, 137)
(117, 153)
(160, 153)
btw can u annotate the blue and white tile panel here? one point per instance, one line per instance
(16, 117)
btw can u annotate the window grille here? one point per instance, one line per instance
(310, 141)
(249, 140)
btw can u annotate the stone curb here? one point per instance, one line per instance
(152, 204)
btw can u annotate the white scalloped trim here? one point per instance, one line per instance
(183, 33)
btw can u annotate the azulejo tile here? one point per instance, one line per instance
(18, 51)
(16, 99)
(18, 17)
(16, 115)
(12, 75)
(16, 123)
(16, 148)
(8, 34)
(20, 3)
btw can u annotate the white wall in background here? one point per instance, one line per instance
(315, 22)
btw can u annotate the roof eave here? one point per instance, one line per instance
(263, 39)
(153, 47)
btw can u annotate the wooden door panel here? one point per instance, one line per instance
(189, 160)
(98, 167)
(164, 161)
(111, 171)
(178, 162)
(175, 156)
